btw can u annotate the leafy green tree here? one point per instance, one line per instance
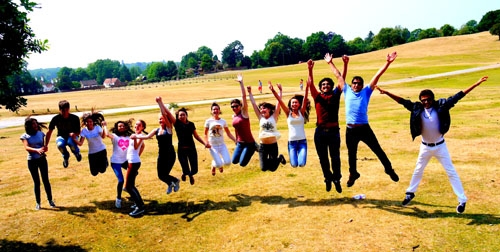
(316, 45)
(447, 30)
(171, 69)
(190, 60)
(232, 53)
(429, 33)
(156, 71)
(203, 50)
(356, 46)
(337, 44)
(102, 69)
(495, 30)
(80, 74)
(24, 83)
(207, 63)
(388, 37)
(135, 71)
(64, 78)
(290, 51)
(414, 35)
(124, 73)
(489, 19)
(469, 28)
(17, 41)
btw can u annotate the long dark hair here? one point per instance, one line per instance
(28, 122)
(128, 128)
(269, 106)
(300, 98)
(183, 109)
(96, 117)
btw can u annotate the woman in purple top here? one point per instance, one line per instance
(245, 146)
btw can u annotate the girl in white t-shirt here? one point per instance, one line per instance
(120, 137)
(92, 131)
(134, 151)
(214, 135)
(297, 113)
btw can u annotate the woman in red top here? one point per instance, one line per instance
(245, 146)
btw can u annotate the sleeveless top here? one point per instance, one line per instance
(164, 140)
(268, 128)
(296, 127)
(242, 128)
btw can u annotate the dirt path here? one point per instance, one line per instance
(17, 121)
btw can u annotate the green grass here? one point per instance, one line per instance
(244, 209)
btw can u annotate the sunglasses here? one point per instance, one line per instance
(357, 83)
(425, 100)
(235, 106)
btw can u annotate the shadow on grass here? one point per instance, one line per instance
(6, 245)
(191, 210)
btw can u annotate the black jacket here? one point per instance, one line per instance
(442, 106)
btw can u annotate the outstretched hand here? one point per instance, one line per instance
(279, 87)
(380, 90)
(483, 79)
(310, 64)
(158, 99)
(345, 58)
(249, 89)
(391, 57)
(270, 85)
(328, 57)
(239, 78)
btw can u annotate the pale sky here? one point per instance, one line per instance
(83, 31)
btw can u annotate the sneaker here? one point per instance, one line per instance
(133, 206)
(170, 187)
(409, 196)
(177, 185)
(65, 163)
(183, 177)
(393, 175)
(213, 171)
(52, 204)
(461, 207)
(137, 212)
(118, 203)
(338, 187)
(352, 179)
(78, 156)
(191, 180)
(38, 207)
(328, 185)
(282, 159)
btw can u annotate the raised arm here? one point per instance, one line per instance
(336, 72)
(310, 66)
(141, 136)
(345, 59)
(280, 100)
(252, 100)
(390, 58)
(393, 96)
(483, 79)
(304, 101)
(244, 102)
(165, 112)
(277, 107)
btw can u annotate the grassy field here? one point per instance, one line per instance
(245, 209)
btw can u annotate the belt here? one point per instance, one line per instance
(355, 125)
(433, 144)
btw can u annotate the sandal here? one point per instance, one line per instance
(213, 171)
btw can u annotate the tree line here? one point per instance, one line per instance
(278, 51)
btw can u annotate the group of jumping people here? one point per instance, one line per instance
(430, 118)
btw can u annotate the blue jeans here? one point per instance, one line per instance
(117, 168)
(328, 140)
(62, 142)
(243, 153)
(297, 150)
